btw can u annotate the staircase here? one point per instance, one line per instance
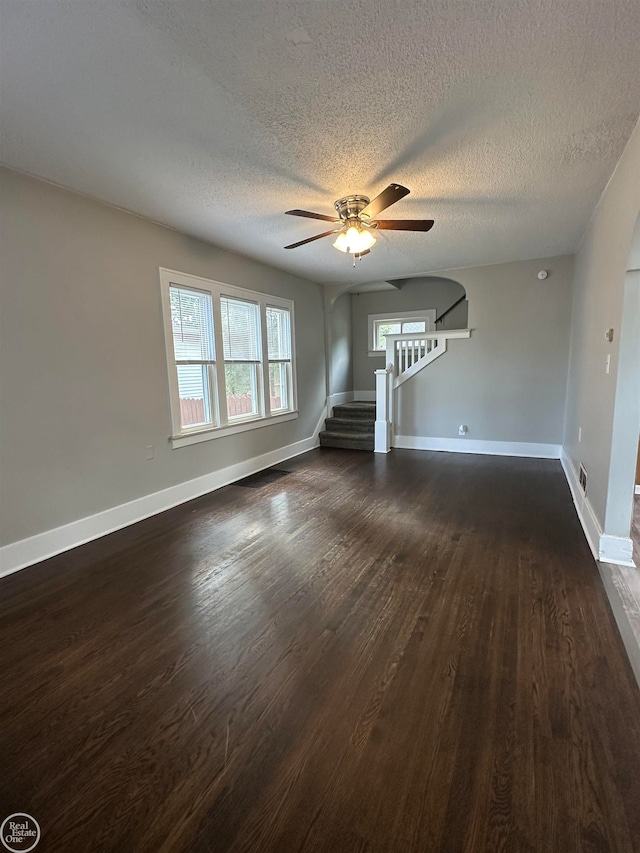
(351, 427)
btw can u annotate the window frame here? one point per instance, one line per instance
(375, 320)
(223, 426)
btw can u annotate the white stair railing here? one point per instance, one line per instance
(406, 356)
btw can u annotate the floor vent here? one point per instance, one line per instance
(582, 477)
(262, 478)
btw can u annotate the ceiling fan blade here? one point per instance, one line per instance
(405, 224)
(311, 239)
(309, 215)
(392, 194)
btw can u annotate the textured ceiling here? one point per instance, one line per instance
(505, 118)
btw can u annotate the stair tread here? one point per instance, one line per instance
(356, 411)
(364, 404)
(350, 441)
(350, 436)
(361, 423)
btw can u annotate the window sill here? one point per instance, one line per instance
(232, 429)
(377, 353)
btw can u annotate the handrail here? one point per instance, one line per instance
(450, 308)
(444, 333)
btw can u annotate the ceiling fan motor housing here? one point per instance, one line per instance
(350, 206)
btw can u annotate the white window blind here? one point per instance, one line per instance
(192, 325)
(240, 330)
(278, 334)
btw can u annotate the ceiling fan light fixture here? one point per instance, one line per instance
(354, 240)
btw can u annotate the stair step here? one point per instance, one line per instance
(363, 409)
(346, 440)
(355, 425)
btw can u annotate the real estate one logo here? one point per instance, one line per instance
(20, 831)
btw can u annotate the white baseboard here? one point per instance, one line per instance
(616, 549)
(468, 445)
(604, 547)
(364, 396)
(324, 414)
(340, 398)
(26, 552)
(586, 515)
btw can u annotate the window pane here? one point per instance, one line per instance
(386, 329)
(240, 330)
(418, 326)
(241, 381)
(192, 324)
(195, 405)
(278, 333)
(279, 386)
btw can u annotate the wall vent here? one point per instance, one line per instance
(583, 478)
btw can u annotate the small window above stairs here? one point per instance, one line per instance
(351, 427)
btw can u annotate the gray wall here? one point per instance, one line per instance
(415, 295)
(626, 417)
(340, 346)
(83, 379)
(507, 382)
(598, 295)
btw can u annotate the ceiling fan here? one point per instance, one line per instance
(357, 216)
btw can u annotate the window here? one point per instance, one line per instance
(192, 334)
(229, 358)
(242, 357)
(279, 353)
(381, 325)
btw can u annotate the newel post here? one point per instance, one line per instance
(384, 408)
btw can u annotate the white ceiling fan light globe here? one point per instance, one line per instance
(354, 240)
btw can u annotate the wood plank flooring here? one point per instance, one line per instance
(626, 586)
(410, 652)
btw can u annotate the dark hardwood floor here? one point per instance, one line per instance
(410, 652)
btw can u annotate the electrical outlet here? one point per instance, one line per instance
(150, 451)
(463, 429)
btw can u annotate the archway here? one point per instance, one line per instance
(353, 378)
